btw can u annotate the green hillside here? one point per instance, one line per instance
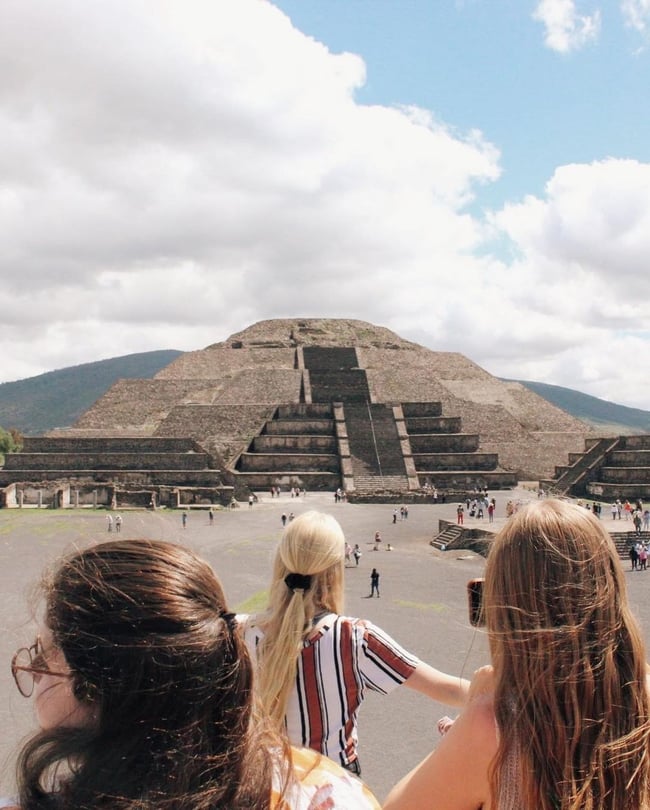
(58, 398)
(609, 417)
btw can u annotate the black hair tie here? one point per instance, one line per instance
(298, 582)
(229, 619)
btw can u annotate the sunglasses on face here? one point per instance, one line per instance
(28, 664)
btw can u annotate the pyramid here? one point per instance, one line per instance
(435, 410)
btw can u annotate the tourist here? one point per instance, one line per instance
(251, 499)
(460, 511)
(143, 691)
(109, 523)
(357, 553)
(118, 523)
(184, 519)
(283, 518)
(314, 664)
(211, 516)
(561, 720)
(377, 541)
(614, 509)
(374, 583)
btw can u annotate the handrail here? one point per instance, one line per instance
(374, 439)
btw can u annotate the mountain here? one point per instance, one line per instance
(607, 418)
(58, 398)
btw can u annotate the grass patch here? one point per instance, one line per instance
(254, 604)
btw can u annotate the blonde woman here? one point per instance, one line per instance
(314, 665)
(561, 721)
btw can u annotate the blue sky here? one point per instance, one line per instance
(473, 175)
(484, 64)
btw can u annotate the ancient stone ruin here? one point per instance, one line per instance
(608, 469)
(315, 404)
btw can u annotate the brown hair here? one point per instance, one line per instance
(569, 662)
(145, 630)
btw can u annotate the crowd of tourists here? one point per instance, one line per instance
(150, 693)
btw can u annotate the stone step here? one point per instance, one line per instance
(374, 483)
(447, 536)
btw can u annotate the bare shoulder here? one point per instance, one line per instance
(443, 778)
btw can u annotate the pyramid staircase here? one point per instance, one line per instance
(296, 448)
(445, 457)
(337, 436)
(608, 469)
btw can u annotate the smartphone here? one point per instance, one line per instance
(475, 601)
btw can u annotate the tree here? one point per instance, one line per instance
(10, 440)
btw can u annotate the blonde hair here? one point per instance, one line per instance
(312, 545)
(570, 665)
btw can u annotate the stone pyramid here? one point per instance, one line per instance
(225, 396)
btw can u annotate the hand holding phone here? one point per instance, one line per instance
(475, 601)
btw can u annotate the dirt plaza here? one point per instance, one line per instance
(423, 600)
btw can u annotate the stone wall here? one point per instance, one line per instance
(115, 444)
(219, 361)
(287, 462)
(141, 404)
(103, 461)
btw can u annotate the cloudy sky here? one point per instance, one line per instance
(474, 175)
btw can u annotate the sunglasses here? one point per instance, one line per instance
(28, 664)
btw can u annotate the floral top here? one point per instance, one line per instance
(322, 785)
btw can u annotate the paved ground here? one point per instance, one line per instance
(423, 599)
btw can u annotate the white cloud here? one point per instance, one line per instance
(565, 29)
(636, 14)
(173, 171)
(192, 162)
(584, 251)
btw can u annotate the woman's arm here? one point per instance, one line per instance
(438, 685)
(455, 775)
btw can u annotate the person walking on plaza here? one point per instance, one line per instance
(118, 523)
(314, 664)
(109, 523)
(374, 583)
(356, 553)
(184, 519)
(460, 511)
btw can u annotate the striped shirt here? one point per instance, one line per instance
(342, 659)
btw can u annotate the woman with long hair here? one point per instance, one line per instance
(315, 664)
(143, 689)
(561, 720)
